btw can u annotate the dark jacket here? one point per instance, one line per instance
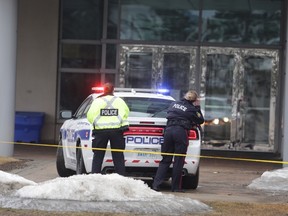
(184, 113)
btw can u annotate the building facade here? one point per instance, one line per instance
(232, 52)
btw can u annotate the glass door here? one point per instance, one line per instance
(238, 91)
(147, 66)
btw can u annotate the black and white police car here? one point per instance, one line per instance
(147, 121)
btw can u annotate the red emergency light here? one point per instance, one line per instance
(98, 89)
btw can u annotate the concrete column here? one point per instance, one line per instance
(8, 46)
(285, 108)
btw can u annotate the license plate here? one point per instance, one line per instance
(145, 153)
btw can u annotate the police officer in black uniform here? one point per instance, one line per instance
(182, 116)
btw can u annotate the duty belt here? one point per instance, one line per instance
(180, 122)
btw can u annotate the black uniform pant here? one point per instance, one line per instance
(175, 141)
(116, 142)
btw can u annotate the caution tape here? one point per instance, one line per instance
(150, 152)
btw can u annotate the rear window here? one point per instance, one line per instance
(147, 107)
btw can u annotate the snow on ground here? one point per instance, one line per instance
(110, 193)
(94, 192)
(93, 187)
(275, 180)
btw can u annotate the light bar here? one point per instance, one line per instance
(133, 90)
(163, 91)
(98, 89)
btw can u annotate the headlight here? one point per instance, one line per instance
(226, 119)
(216, 121)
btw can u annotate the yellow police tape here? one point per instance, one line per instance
(149, 152)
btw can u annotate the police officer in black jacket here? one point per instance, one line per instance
(182, 116)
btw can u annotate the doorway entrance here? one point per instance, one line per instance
(239, 88)
(147, 66)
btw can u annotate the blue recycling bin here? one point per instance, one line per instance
(28, 126)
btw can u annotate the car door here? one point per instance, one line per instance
(74, 126)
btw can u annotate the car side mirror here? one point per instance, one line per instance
(66, 114)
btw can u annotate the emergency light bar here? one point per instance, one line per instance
(100, 89)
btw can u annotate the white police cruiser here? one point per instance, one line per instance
(147, 121)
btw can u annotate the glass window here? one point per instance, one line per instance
(139, 70)
(176, 70)
(147, 107)
(82, 110)
(75, 87)
(110, 77)
(111, 50)
(257, 92)
(159, 20)
(81, 56)
(82, 19)
(113, 19)
(247, 21)
(217, 102)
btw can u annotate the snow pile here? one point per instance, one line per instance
(10, 182)
(94, 193)
(275, 180)
(93, 187)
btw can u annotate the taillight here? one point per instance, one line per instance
(193, 135)
(145, 131)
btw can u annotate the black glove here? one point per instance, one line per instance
(93, 133)
(125, 128)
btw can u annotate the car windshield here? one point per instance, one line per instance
(147, 107)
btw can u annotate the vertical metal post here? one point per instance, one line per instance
(8, 46)
(285, 108)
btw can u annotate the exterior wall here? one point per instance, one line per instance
(8, 49)
(36, 78)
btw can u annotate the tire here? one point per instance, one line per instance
(80, 166)
(60, 163)
(191, 181)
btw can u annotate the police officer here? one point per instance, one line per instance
(182, 115)
(108, 114)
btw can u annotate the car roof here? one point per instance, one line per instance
(137, 93)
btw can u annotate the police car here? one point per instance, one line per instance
(147, 121)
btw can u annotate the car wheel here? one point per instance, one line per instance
(191, 181)
(80, 166)
(60, 163)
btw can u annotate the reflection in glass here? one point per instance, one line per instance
(75, 87)
(176, 70)
(257, 98)
(111, 56)
(110, 78)
(81, 56)
(82, 19)
(217, 101)
(139, 70)
(113, 19)
(246, 21)
(251, 90)
(159, 20)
